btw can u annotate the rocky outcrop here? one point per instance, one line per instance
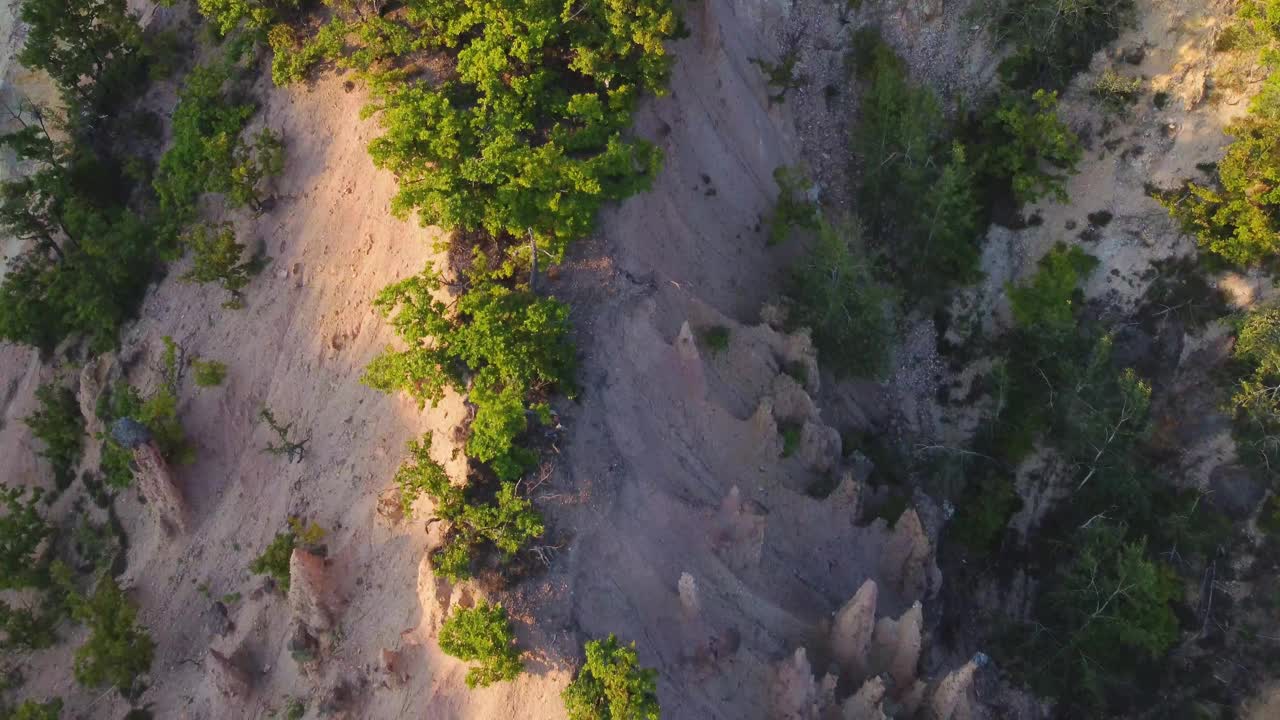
(895, 647)
(952, 689)
(853, 628)
(98, 375)
(228, 678)
(738, 535)
(687, 587)
(796, 696)
(866, 704)
(908, 560)
(310, 592)
(819, 447)
(151, 472)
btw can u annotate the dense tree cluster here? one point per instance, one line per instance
(118, 651)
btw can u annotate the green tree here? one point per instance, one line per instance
(835, 296)
(1110, 610)
(58, 424)
(1052, 40)
(612, 686)
(75, 40)
(216, 258)
(1027, 145)
(22, 530)
(206, 135)
(24, 629)
(1047, 304)
(255, 162)
(227, 15)
(513, 342)
(118, 651)
(425, 475)
(483, 635)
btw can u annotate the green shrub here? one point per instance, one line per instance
(208, 373)
(835, 296)
(255, 163)
(274, 561)
(612, 686)
(22, 530)
(1028, 146)
(790, 439)
(985, 511)
(295, 709)
(1048, 303)
(58, 424)
(227, 15)
(506, 523)
(216, 257)
(483, 635)
(716, 338)
(1115, 91)
(423, 474)
(24, 629)
(794, 208)
(117, 651)
(32, 710)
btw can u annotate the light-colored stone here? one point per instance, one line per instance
(796, 694)
(866, 704)
(895, 647)
(310, 591)
(948, 693)
(688, 589)
(819, 447)
(155, 482)
(907, 561)
(852, 630)
(98, 374)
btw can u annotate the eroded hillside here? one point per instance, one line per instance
(778, 539)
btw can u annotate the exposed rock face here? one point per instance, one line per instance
(895, 647)
(228, 679)
(151, 471)
(866, 703)
(852, 630)
(796, 696)
(303, 647)
(309, 591)
(848, 495)
(948, 694)
(819, 446)
(688, 589)
(908, 560)
(98, 375)
(738, 537)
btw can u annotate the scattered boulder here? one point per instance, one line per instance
(853, 628)
(229, 679)
(309, 591)
(217, 621)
